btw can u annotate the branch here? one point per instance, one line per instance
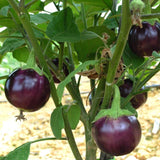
(120, 45)
(70, 137)
(150, 16)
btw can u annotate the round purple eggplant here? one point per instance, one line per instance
(143, 41)
(27, 90)
(117, 136)
(65, 69)
(138, 100)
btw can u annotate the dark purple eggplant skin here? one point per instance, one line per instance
(143, 41)
(65, 69)
(138, 100)
(27, 90)
(126, 88)
(117, 136)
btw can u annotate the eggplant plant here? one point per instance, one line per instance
(108, 41)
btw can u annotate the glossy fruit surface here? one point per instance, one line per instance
(27, 90)
(143, 41)
(117, 136)
(65, 69)
(138, 99)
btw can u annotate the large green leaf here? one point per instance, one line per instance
(87, 49)
(19, 153)
(56, 122)
(63, 28)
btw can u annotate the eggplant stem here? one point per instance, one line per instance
(21, 116)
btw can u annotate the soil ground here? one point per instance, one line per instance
(14, 133)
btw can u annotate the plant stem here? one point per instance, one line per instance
(71, 67)
(150, 16)
(91, 147)
(99, 93)
(92, 86)
(75, 93)
(47, 139)
(120, 45)
(64, 4)
(15, 6)
(70, 137)
(57, 6)
(147, 8)
(83, 14)
(4, 77)
(105, 156)
(96, 18)
(60, 66)
(73, 87)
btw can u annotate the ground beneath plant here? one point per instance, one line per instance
(37, 125)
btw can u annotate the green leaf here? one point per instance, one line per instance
(6, 21)
(38, 34)
(131, 59)
(63, 28)
(21, 54)
(86, 35)
(4, 11)
(38, 6)
(19, 153)
(101, 3)
(56, 122)
(112, 21)
(11, 44)
(87, 49)
(73, 114)
(61, 86)
(41, 18)
(101, 113)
